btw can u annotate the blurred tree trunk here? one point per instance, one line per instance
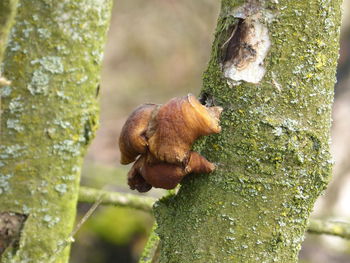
(273, 70)
(49, 116)
(7, 13)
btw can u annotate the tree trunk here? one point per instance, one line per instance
(49, 116)
(272, 70)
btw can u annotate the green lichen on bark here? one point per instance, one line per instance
(49, 116)
(272, 155)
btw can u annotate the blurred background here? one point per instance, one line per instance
(156, 50)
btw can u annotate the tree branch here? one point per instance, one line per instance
(329, 227)
(90, 195)
(7, 14)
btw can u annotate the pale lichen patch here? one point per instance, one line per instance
(41, 76)
(67, 146)
(14, 124)
(15, 105)
(61, 95)
(50, 220)
(44, 33)
(26, 209)
(82, 80)
(51, 64)
(76, 169)
(277, 131)
(68, 177)
(63, 124)
(15, 47)
(98, 55)
(5, 91)
(61, 188)
(11, 151)
(4, 183)
(39, 83)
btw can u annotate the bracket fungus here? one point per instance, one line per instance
(132, 141)
(162, 137)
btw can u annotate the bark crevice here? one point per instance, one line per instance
(244, 52)
(11, 225)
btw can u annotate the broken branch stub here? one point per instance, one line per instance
(243, 53)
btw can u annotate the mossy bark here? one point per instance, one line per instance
(49, 116)
(150, 252)
(272, 155)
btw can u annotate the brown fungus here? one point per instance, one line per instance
(145, 173)
(176, 126)
(163, 136)
(132, 140)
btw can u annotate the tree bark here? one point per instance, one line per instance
(272, 69)
(49, 116)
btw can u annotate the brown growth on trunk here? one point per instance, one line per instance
(163, 135)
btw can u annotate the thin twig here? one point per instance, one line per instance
(329, 227)
(70, 239)
(89, 195)
(231, 36)
(86, 216)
